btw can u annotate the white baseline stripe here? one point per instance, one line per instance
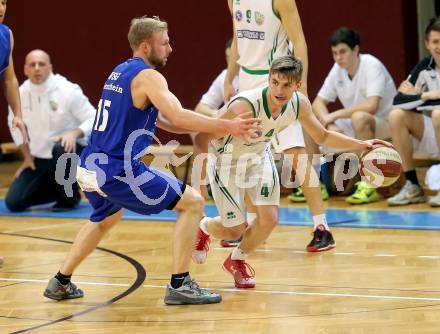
(385, 255)
(46, 280)
(294, 293)
(291, 293)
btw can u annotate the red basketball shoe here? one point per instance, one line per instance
(200, 253)
(238, 269)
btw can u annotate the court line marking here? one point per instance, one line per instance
(291, 293)
(42, 227)
(140, 278)
(385, 255)
(267, 250)
(433, 257)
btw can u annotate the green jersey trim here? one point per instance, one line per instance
(297, 105)
(224, 190)
(247, 100)
(266, 106)
(254, 72)
(274, 11)
(222, 149)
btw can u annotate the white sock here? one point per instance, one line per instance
(203, 225)
(250, 217)
(320, 220)
(238, 254)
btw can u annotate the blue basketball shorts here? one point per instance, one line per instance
(143, 190)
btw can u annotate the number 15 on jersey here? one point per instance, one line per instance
(102, 110)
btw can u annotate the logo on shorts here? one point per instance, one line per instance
(259, 18)
(231, 215)
(238, 15)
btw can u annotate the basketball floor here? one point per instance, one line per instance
(382, 277)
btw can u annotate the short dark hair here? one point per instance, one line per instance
(433, 25)
(288, 66)
(345, 35)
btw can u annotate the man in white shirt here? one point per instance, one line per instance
(58, 117)
(365, 89)
(214, 98)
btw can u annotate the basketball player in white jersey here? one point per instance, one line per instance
(235, 167)
(263, 30)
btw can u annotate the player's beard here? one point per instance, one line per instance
(156, 61)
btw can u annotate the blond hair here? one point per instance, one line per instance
(142, 28)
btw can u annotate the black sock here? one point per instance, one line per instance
(63, 279)
(411, 176)
(177, 279)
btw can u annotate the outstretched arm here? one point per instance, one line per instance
(155, 87)
(164, 124)
(288, 12)
(322, 136)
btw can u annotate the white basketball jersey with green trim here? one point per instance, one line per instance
(260, 34)
(257, 99)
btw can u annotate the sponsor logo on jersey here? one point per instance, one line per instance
(248, 16)
(259, 18)
(238, 15)
(250, 34)
(114, 88)
(114, 76)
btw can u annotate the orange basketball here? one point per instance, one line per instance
(381, 166)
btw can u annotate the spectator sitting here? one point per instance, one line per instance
(412, 131)
(365, 89)
(58, 116)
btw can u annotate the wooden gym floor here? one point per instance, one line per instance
(374, 281)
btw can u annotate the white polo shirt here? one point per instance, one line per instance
(371, 79)
(214, 97)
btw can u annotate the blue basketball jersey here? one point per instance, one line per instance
(117, 119)
(121, 132)
(5, 48)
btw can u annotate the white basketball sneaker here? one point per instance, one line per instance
(409, 194)
(435, 201)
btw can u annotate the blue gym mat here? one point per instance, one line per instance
(416, 220)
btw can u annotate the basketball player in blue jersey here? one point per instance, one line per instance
(7, 75)
(112, 176)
